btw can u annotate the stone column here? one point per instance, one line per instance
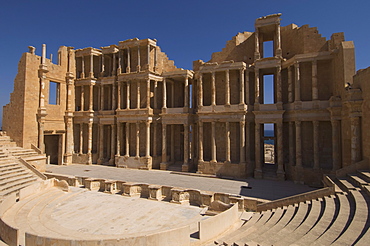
(102, 97)
(247, 92)
(172, 94)
(280, 151)
(114, 96)
(82, 98)
(112, 141)
(355, 140)
(228, 155)
(138, 59)
(68, 117)
(279, 96)
(247, 143)
(155, 94)
(186, 144)
(89, 142)
(101, 146)
(200, 144)
(278, 52)
(290, 85)
(257, 45)
(242, 142)
(91, 74)
(83, 67)
(128, 68)
(336, 144)
(155, 126)
(257, 86)
(137, 139)
(147, 147)
(164, 93)
(119, 95)
(155, 59)
(148, 94)
(213, 89)
(173, 143)
(316, 160)
(81, 138)
(213, 142)
(118, 144)
(102, 68)
(91, 94)
(258, 168)
(148, 58)
(114, 65)
(164, 144)
(119, 71)
(127, 139)
(200, 90)
(242, 86)
(138, 95)
(297, 82)
(298, 144)
(128, 95)
(291, 143)
(186, 92)
(227, 87)
(315, 91)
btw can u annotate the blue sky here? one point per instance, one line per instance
(185, 30)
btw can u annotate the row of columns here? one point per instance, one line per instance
(257, 88)
(89, 139)
(186, 93)
(243, 143)
(277, 39)
(172, 146)
(227, 87)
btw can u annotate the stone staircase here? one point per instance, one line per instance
(340, 219)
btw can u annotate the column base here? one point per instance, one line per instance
(89, 159)
(111, 161)
(163, 165)
(242, 106)
(258, 174)
(185, 167)
(67, 160)
(100, 161)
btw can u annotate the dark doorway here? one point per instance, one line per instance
(52, 147)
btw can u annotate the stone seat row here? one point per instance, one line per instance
(340, 219)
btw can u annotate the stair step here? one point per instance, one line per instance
(364, 174)
(357, 180)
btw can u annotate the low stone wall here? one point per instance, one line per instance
(222, 169)
(35, 165)
(327, 191)
(364, 164)
(178, 236)
(218, 224)
(9, 234)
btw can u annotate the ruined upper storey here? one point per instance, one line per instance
(283, 42)
(129, 56)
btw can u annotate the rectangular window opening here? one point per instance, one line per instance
(269, 143)
(54, 92)
(268, 89)
(268, 49)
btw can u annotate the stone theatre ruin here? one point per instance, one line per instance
(128, 105)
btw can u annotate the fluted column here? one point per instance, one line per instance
(148, 58)
(155, 126)
(315, 91)
(213, 142)
(138, 59)
(297, 82)
(81, 138)
(247, 143)
(127, 139)
(186, 92)
(290, 85)
(118, 141)
(155, 94)
(82, 98)
(242, 142)
(148, 94)
(278, 41)
(83, 67)
(137, 139)
(119, 70)
(279, 96)
(102, 68)
(147, 146)
(186, 144)
(102, 97)
(335, 126)
(119, 95)
(247, 91)
(200, 90)
(298, 144)
(355, 140)
(91, 96)
(128, 68)
(112, 142)
(257, 45)
(213, 89)
(228, 155)
(258, 168)
(316, 160)
(114, 96)
(200, 144)
(114, 65)
(138, 95)
(257, 86)
(280, 151)
(164, 93)
(89, 142)
(164, 143)
(128, 96)
(227, 87)
(91, 74)
(172, 143)
(101, 146)
(242, 86)
(291, 143)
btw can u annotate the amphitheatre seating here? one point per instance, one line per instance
(340, 219)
